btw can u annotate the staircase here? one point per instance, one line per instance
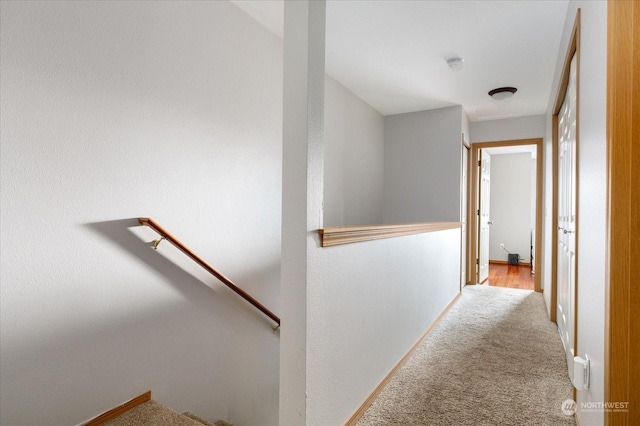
(153, 414)
(143, 411)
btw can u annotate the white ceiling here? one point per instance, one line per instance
(516, 149)
(393, 54)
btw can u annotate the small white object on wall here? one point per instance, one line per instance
(581, 372)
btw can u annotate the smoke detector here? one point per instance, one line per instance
(455, 63)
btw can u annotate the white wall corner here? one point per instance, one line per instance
(302, 177)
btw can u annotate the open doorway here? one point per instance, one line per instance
(516, 235)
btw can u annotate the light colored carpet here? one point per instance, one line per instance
(205, 422)
(151, 414)
(494, 359)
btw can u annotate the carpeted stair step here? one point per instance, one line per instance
(199, 419)
(206, 422)
(153, 414)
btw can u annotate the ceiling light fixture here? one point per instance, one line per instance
(455, 63)
(502, 93)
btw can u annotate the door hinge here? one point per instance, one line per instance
(478, 212)
(477, 261)
(479, 163)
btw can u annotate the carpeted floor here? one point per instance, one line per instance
(494, 359)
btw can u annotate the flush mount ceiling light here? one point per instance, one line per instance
(455, 63)
(502, 93)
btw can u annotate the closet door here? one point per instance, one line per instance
(566, 275)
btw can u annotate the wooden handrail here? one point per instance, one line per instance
(226, 281)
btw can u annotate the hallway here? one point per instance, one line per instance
(493, 359)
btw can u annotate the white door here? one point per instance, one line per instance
(463, 217)
(483, 217)
(566, 278)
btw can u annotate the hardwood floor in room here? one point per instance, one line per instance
(510, 276)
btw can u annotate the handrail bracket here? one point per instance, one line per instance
(156, 243)
(165, 235)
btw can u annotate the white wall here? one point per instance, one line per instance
(114, 110)
(533, 126)
(466, 127)
(302, 195)
(368, 303)
(422, 160)
(349, 312)
(511, 200)
(532, 186)
(591, 251)
(354, 159)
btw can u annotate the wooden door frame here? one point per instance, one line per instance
(466, 145)
(473, 205)
(573, 49)
(622, 294)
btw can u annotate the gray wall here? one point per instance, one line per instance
(533, 126)
(353, 159)
(422, 166)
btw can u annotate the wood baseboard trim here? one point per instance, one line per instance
(367, 402)
(115, 412)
